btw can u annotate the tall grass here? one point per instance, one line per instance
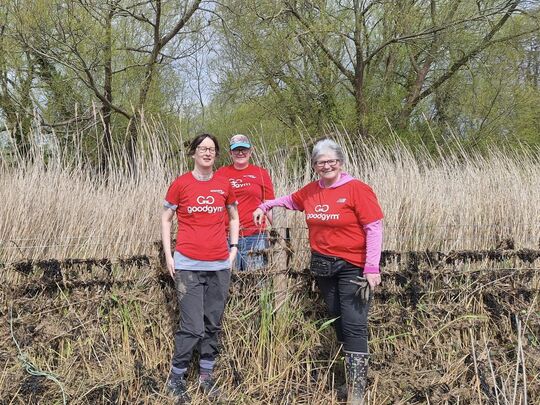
(55, 206)
(466, 333)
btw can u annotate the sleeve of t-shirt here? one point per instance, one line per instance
(298, 198)
(284, 201)
(231, 197)
(173, 194)
(268, 188)
(366, 205)
(374, 238)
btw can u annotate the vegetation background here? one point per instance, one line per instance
(436, 103)
(82, 74)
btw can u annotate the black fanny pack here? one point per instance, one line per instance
(325, 266)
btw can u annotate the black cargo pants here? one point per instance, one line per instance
(351, 325)
(201, 297)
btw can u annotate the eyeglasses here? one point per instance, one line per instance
(204, 149)
(329, 162)
(241, 151)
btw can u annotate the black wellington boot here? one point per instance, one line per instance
(356, 366)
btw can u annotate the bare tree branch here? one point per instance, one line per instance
(486, 42)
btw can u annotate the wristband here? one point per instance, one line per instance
(233, 245)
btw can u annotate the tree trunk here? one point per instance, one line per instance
(359, 66)
(414, 92)
(360, 102)
(106, 110)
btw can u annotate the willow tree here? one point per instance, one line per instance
(115, 49)
(402, 52)
(17, 73)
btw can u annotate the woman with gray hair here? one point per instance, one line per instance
(344, 221)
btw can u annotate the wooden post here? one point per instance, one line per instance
(279, 260)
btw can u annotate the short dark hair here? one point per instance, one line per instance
(197, 141)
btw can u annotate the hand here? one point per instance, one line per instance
(258, 216)
(170, 265)
(232, 256)
(374, 279)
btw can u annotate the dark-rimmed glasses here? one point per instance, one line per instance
(241, 151)
(330, 162)
(204, 149)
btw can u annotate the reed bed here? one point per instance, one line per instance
(53, 207)
(442, 332)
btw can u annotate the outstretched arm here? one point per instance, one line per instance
(166, 224)
(234, 230)
(285, 201)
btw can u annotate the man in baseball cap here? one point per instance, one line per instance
(252, 186)
(240, 141)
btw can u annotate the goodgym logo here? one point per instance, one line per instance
(205, 205)
(321, 213)
(205, 200)
(238, 183)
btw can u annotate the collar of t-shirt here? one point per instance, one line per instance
(344, 179)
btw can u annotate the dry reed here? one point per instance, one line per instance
(51, 208)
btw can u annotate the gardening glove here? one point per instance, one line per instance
(363, 290)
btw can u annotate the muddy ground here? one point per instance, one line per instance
(455, 327)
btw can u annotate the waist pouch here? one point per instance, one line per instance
(325, 266)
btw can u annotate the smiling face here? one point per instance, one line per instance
(240, 157)
(328, 167)
(205, 154)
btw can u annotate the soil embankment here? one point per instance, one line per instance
(445, 328)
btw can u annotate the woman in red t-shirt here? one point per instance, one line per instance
(201, 262)
(345, 235)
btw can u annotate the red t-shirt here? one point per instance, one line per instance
(201, 213)
(252, 186)
(335, 218)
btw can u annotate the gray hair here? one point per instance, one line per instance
(326, 146)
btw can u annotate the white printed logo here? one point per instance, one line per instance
(250, 176)
(205, 208)
(205, 205)
(321, 213)
(218, 191)
(205, 200)
(341, 200)
(238, 183)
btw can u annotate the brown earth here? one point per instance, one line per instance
(446, 328)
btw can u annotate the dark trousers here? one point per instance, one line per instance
(201, 298)
(339, 294)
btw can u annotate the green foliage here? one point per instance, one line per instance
(426, 70)
(420, 72)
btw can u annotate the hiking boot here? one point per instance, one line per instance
(176, 385)
(209, 387)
